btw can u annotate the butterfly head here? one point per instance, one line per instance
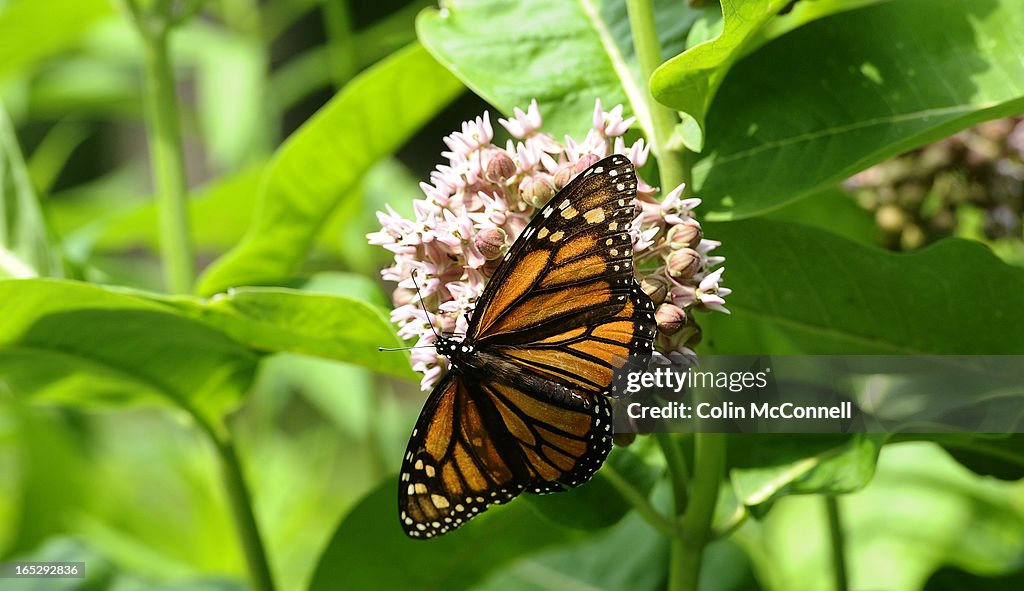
(452, 349)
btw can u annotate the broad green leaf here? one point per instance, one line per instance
(774, 466)
(34, 30)
(999, 456)
(598, 504)
(273, 320)
(26, 247)
(369, 550)
(688, 81)
(834, 210)
(895, 75)
(320, 165)
(564, 54)
(58, 336)
(836, 296)
(599, 562)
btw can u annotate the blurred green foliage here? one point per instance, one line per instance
(120, 404)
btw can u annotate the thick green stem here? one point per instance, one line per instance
(167, 157)
(670, 154)
(708, 467)
(835, 531)
(709, 454)
(260, 578)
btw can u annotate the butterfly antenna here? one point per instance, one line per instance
(420, 298)
(405, 348)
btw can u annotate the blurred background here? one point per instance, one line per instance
(137, 490)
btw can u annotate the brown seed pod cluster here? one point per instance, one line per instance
(919, 197)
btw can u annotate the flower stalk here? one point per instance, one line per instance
(165, 144)
(696, 514)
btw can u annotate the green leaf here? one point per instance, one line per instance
(895, 76)
(284, 320)
(598, 504)
(26, 247)
(834, 210)
(688, 81)
(82, 344)
(320, 165)
(370, 551)
(839, 297)
(34, 30)
(774, 466)
(999, 456)
(564, 54)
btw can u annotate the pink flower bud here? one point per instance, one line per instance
(563, 175)
(585, 162)
(670, 319)
(536, 190)
(490, 242)
(683, 263)
(656, 287)
(499, 167)
(685, 235)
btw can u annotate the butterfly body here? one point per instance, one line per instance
(523, 407)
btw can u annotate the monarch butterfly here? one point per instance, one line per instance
(523, 406)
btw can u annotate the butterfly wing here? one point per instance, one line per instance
(476, 445)
(560, 314)
(565, 304)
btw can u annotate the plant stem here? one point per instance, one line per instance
(677, 472)
(835, 530)
(708, 466)
(671, 160)
(680, 495)
(709, 448)
(639, 502)
(165, 149)
(260, 578)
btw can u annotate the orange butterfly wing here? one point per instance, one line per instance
(560, 314)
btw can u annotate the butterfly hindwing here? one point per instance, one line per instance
(458, 462)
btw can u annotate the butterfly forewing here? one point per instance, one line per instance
(528, 410)
(573, 262)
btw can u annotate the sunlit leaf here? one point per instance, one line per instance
(320, 165)
(564, 54)
(688, 81)
(284, 320)
(82, 344)
(34, 30)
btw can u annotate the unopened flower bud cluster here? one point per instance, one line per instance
(477, 203)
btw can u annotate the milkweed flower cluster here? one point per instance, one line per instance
(477, 203)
